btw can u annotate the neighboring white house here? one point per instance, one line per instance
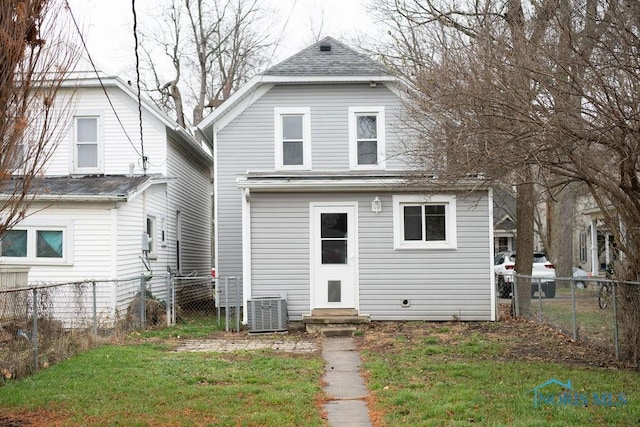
(312, 201)
(99, 198)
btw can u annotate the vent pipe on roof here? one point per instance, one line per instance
(325, 47)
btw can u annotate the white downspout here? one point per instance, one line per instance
(246, 252)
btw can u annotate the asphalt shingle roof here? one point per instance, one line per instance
(328, 57)
(100, 186)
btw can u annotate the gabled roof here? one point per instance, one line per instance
(90, 79)
(107, 188)
(504, 208)
(327, 61)
(328, 57)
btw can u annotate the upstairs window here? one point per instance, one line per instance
(292, 138)
(424, 222)
(87, 150)
(366, 137)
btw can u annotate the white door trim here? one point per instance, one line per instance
(353, 255)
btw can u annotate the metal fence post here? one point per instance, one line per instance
(34, 332)
(514, 285)
(540, 300)
(226, 305)
(573, 310)
(238, 304)
(95, 310)
(143, 311)
(169, 300)
(615, 320)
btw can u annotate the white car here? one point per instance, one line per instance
(542, 271)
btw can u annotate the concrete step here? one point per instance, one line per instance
(338, 331)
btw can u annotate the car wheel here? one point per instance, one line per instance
(503, 288)
(550, 290)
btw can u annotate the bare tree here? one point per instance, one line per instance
(36, 55)
(213, 48)
(543, 91)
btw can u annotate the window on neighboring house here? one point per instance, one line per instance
(503, 244)
(424, 222)
(87, 147)
(583, 247)
(151, 232)
(292, 138)
(366, 137)
(37, 245)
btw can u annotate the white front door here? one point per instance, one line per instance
(333, 255)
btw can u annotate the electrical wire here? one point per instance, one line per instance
(135, 37)
(104, 89)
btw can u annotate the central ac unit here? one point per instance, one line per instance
(267, 314)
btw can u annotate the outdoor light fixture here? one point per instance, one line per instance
(376, 205)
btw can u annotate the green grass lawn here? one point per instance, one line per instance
(427, 378)
(153, 385)
(419, 374)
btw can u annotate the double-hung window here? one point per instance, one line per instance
(37, 245)
(87, 147)
(292, 138)
(366, 137)
(427, 222)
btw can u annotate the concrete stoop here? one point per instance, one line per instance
(334, 323)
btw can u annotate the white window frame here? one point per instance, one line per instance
(449, 202)
(354, 112)
(31, 258)
(100, 144)
(278, 113)
(151, 226)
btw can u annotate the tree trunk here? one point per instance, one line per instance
(525, 203)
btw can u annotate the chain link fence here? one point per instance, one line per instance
(41, 324)
(585, 307)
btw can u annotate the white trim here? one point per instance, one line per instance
(378, 112)
(230, 104)
(32, 226)
(312, 250)
(113, 236)
(216, 228)
(449, 201)
(246, 252)
(492, 277)
(237, 109)
(278, 113)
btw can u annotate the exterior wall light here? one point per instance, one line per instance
(376, 205)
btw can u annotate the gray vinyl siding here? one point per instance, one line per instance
(247, 144)
(439, 284)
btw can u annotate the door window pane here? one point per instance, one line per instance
(334, 251)
(14, 243)
(334, 225)
(49, 244)
(334, 291)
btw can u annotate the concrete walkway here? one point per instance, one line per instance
(347, 393)
(347, 406)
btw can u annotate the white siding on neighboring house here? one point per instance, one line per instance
(190, 193)
(119, 147)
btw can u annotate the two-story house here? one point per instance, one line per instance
(118, 198)
(312, 201)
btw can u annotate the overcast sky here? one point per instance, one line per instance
(108, 26)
